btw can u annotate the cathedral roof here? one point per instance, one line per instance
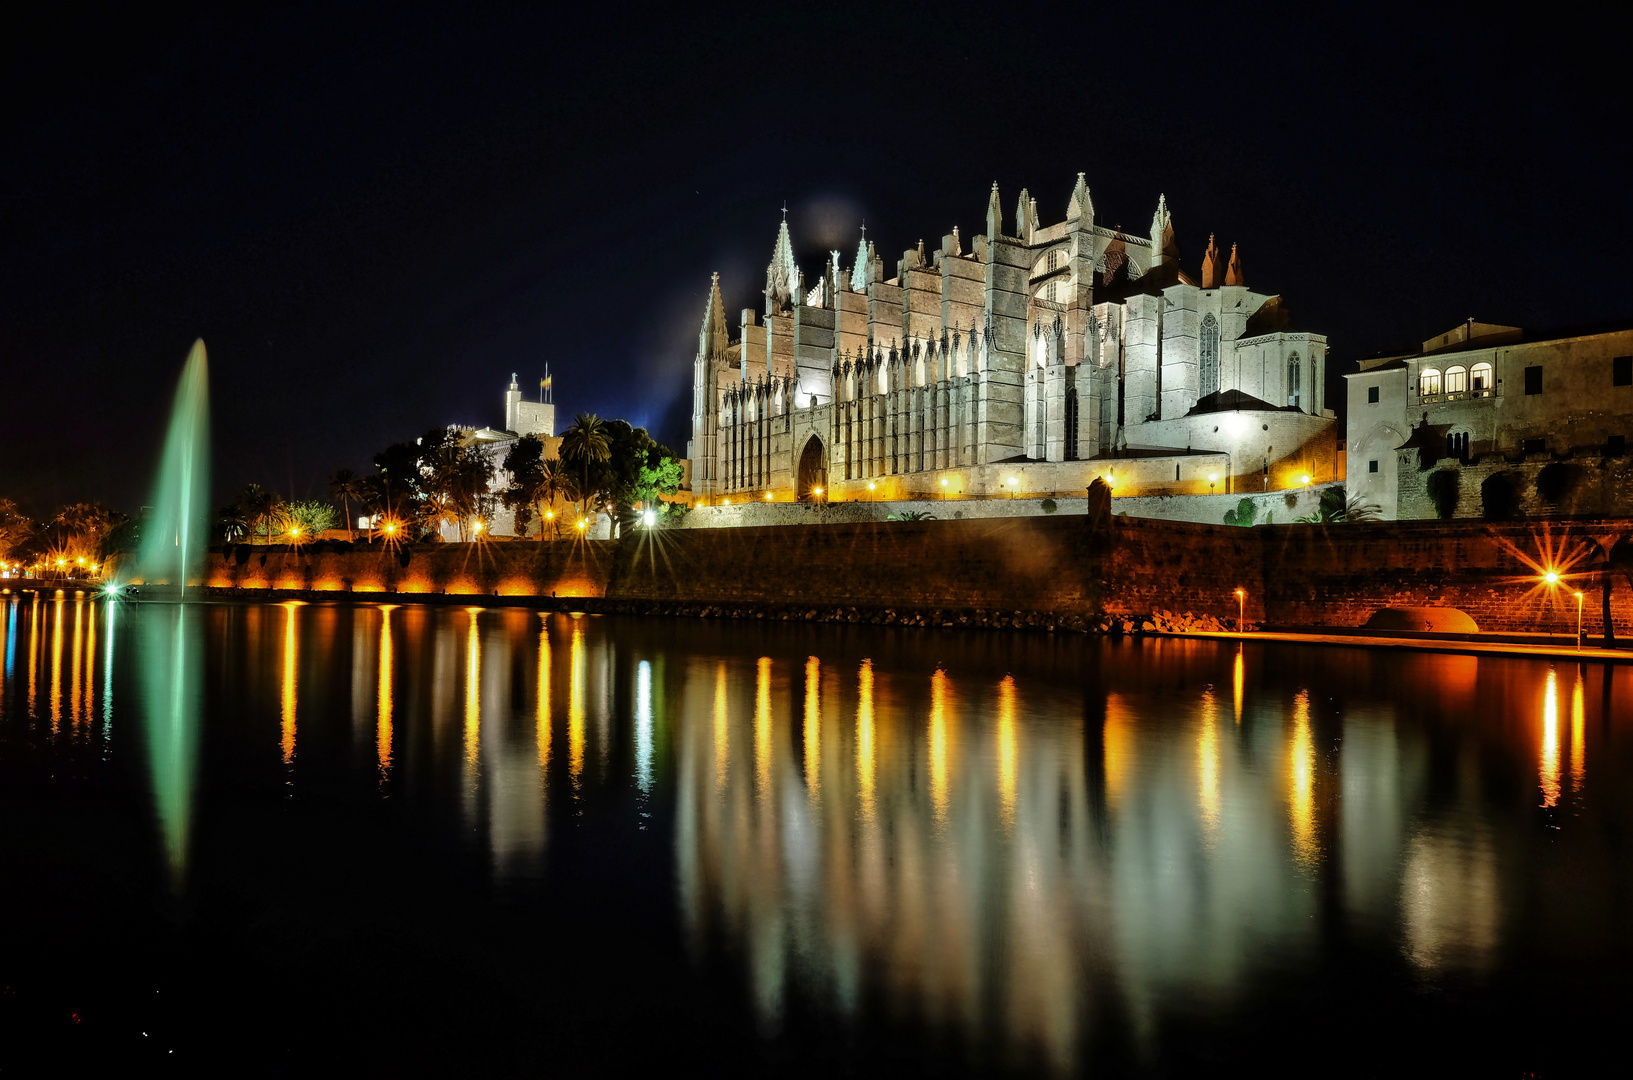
(1235, 401)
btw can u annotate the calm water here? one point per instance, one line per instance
(417, 839)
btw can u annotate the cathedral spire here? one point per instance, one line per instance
(1080, 208)
(862, 272)
(1164, 248)
(1233, 273)
(713, 339)
(782, 276)
(995, 214)
(1212, 270)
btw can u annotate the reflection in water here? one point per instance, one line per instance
(1207, 770)
(1007, 752)
(473, 708)
(1237, 678)
(1579, 735)
(382, 733)
(1449, 900)
(864, 738)
(73, 677)
(762, 730)
(56, 665)
(1301, 783)
(1548, 767)
(939, 763)
(107, 673)
(541, 716)
(291, 659)
(954, 845)
(169, 642)
(813, 727)
(575, 704)
(643, 727)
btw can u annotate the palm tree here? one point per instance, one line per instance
(554, 482)
(261, 509)
(345, 486)
(583, 446)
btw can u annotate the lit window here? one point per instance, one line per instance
(1457, 380)
(1480, 378)
(1429, 381)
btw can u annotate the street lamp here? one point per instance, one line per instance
(1241, 609)
(1305, 479)
(943, 489)
(1011, 482)
(1213, 478)
(1578, 622)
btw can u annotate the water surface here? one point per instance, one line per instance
(287, 836)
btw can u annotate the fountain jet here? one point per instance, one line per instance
(175, 532)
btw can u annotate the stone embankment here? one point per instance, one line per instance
(1055, 572)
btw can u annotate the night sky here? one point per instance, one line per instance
(372, 216)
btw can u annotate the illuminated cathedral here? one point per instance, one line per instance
(1025, 359)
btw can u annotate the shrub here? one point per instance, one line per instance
(1443, 489)
(1048, 506)
(1243, 515)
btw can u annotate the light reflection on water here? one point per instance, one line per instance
(1007, 848)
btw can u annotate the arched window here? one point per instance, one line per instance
(1429, 382)
(1294, 383)
(1457, 380)
(1210, 355)
(1481, 381)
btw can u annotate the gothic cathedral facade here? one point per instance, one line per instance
(1026, 360)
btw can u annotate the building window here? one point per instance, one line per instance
(1480, 380)
(1054, 262)
(1372, 466)
(1293, 381)
(1534, 446)
(1533, 380)
(1457, 380)
(1621, 371)
(1051, 292)
(1210, 355)
(1429, 382)
(1616, 445)
(1372, 395)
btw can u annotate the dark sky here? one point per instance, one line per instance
(374, 215)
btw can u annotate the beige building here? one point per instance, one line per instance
(1025, 359)
(1487, 420)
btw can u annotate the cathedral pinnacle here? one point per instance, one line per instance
(1233, 273)
(995, 214)
(715, 335)
(1212, 269)
(782, 276)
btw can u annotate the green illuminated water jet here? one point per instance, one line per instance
(175, 532)
(169, 638)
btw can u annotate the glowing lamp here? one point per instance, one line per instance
(582, 523)
(1213, 478)
(943, 481)
(768, 496)
(296, 531)
(1305, 479)
(870, 485)
(1551, 577)
(650, 519)
(725, 502)
(550, 515)
(816, 491)
(476, 527)
(81, 560)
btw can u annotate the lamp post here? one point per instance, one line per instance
(1241, 609)
(943, 489)
(1213, 478)
(1578, 622)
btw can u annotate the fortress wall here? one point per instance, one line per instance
(1294, 575)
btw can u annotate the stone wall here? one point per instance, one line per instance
(1281, 506)
(1056, 566)
(1581, 484)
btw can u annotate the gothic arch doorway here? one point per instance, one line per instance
(813, 470)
